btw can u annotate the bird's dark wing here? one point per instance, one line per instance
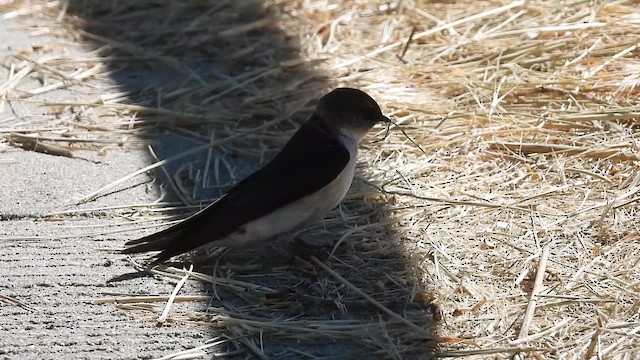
(311, 159)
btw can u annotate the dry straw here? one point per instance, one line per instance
(517, 214)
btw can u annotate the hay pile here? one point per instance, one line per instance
(509, 184)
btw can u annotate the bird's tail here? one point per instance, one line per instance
(162, 241)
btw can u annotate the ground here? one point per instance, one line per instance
(496, 217)
(68, 294)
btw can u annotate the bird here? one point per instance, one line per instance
(308, 178)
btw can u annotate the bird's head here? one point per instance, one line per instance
(350, 112)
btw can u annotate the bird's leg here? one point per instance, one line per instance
(207, 255)
(292, 245)
(282, 245)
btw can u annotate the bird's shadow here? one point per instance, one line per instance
(217, 69)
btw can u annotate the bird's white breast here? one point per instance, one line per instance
(299, 213)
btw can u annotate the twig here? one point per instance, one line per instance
(179, 285)
(531, 307)
(16, 302)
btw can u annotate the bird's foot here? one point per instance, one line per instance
(303, 248)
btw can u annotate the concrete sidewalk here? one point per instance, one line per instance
(56, 275)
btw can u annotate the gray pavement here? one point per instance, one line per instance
(57, 273)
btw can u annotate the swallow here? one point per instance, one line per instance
(309, 177)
